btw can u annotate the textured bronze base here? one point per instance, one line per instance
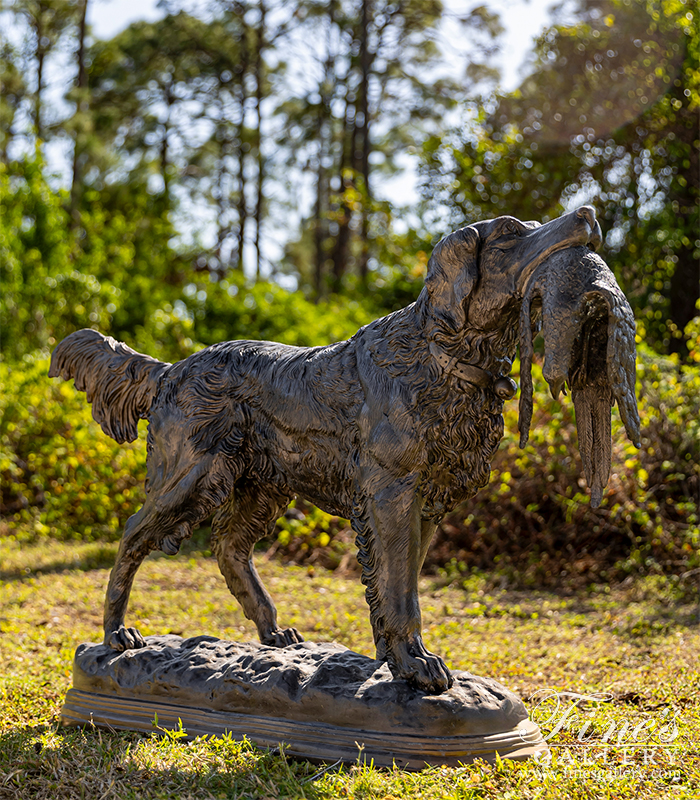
(322, 701)
(316, 742)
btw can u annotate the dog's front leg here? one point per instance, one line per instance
(390, 550)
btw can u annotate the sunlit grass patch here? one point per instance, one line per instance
(636, 646)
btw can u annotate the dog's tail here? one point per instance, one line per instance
(119, 382)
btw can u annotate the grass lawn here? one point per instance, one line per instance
(636, 644)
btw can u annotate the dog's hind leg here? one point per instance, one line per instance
(175, 503)
(137, 542)
(249, 515)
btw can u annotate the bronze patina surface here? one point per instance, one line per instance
(323, 700)
(391, 429)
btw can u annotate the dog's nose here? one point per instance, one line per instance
(587, 213)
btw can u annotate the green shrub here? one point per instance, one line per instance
(205, 313)
(308, 535)
(60, 476)
(49, 287)
(119, 275)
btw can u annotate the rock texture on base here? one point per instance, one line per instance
(321, 700)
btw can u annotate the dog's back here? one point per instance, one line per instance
(281, 414)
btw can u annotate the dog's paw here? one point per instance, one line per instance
(124, 639)
(282, 637)
(412, 662)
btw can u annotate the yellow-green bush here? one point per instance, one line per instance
(60, 476)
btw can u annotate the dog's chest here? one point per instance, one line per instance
(463, 432)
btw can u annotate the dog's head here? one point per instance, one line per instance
(484, 275)
(477, 272)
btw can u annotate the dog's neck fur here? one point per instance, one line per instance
(466, 425)
(463, 423)
(492, 350)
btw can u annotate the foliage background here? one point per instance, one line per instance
(167, 124)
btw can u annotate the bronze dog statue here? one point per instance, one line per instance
(391, 429)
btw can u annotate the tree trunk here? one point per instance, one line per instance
(40, 56)
(325, 135)
(222, 224)
(242, 70)
(81, 107)
(342, 242)
(685, 282)
(164, 148)
(319, 227)
(365, 65)
(242, 208)
(261, 160)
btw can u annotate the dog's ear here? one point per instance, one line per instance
(452, 273)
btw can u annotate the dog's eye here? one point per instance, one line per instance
(511, 227)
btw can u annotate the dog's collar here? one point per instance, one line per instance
(502, 385)
(467, 372)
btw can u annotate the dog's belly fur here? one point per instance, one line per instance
(319, 474)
